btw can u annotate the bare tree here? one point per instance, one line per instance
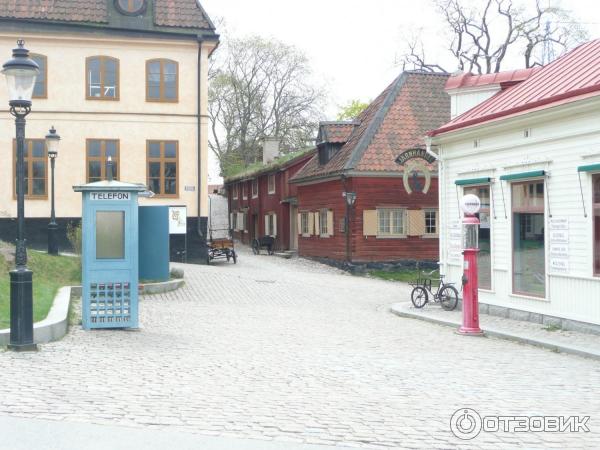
(259, 89)
(482, 36)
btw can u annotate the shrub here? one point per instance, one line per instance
(74, 236)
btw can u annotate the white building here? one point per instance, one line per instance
(528, 144)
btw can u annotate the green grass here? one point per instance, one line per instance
(49, 274)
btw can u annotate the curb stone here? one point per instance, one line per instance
(404, 310)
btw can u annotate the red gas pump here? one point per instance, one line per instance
(470, 205)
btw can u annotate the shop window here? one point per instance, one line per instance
(102, 78)
(596, 197)
(36, 169)
(391, 222)
(97, 153)
(529, 258)
(484, 257)
(162, 168)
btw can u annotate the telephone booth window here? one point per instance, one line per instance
(110, 234)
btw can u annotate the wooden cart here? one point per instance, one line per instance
(221, 248)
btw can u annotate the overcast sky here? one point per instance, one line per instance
(354, 45)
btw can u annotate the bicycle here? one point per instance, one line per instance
(446, 294)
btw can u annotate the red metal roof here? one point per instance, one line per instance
(573, 76)
(504, 79)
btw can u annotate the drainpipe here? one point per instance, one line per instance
(199, 118)
(441, 200)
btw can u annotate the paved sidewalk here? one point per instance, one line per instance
(582, 344)
(293, 352)
(30, 434)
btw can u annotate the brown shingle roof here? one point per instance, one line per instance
(395, 121)
(62, 10)
(168, 13)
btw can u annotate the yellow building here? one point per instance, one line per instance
(126, 78)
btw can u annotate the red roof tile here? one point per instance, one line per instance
(168, 13)
(395, 121)
(61, 10)
(569, 78)
(335, 132)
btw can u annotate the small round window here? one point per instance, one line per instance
(131, 7)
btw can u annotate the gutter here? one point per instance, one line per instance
(428, 140)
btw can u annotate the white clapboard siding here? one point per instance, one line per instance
(557, 145)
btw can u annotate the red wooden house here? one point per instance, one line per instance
(262, 202)
(370, 193)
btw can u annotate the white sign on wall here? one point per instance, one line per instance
(177, 220)
(559, 244)
(455, 242)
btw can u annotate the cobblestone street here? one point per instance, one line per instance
(293, 351)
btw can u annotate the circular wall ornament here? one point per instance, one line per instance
(131, 7)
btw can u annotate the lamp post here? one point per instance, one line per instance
(52, 141)
(350, 199)
(20, 72)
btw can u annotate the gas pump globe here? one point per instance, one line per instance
(470, 205)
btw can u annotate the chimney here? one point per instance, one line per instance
(270, 149)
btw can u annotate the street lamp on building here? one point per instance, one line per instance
(350, 200)
(52, 141)
(21, 72)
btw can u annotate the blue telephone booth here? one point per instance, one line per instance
(110, 254)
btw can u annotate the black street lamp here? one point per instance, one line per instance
(21, 72)
(350, 199)
(52, 141)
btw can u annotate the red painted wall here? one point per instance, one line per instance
(372, 192)
(266, 203)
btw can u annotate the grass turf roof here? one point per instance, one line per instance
(238, 172)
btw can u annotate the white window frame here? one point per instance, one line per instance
(391, 234)
(271, 189)
(234, 221)
(304, 220)
(436, 219)
(235, 194)
(244, 190)
(323, 231)
(255, 183)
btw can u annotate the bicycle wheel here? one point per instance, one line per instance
(419, 297)
(448, 297)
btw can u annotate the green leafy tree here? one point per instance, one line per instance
(352, 110)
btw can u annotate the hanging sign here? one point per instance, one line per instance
(417, 176)
(177, 220)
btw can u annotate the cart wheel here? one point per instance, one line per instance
(255, 247)
(234, 256)
(228, 255)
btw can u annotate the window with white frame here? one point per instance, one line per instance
(271, 224)
(244, 191)
(235, 191)
(391, 222)
(271, 182)
(430, 221)
(255, 188)
(234, 217)
(323, 222)
(304, 217)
